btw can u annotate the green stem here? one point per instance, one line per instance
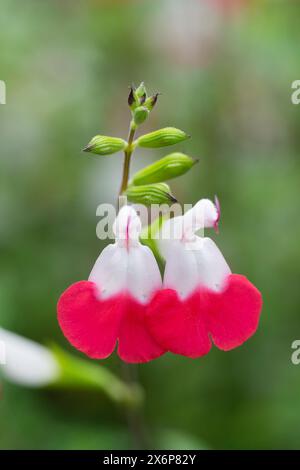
(134, 415)
(127, 157)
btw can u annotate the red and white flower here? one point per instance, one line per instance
(202, 301)
(111, 306)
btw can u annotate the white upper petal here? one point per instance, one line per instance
(171, 232)
(212, 266)
(126, 265)
(193, 261)
(25, 362)
(181, 272)
(127, 226)
(204, 214)
(199, 263)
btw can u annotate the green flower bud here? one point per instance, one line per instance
(103, 145)
(150, 194)
(137, 96)
(140, 115)
(151, 101)
(141, 93)
(162, 138)
(169, 167)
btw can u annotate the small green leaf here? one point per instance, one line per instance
(166, 168)
(103, 145)
(158, 193)
(162, 138)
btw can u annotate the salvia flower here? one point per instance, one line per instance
(111, 306)
(202, 301)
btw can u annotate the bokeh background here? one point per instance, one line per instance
(225, 70)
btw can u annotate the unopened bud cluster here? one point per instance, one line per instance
(140, 103)
(148, 185)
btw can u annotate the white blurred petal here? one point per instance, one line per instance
(26, 362)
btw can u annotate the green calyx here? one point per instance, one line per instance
(104, 145)
(171, 166)
(162, 138)
(158, 193)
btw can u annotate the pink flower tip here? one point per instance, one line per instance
(218, 208)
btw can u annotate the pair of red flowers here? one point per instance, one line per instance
(125, 301)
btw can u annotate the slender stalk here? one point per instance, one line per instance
(127, 157)
(135, 418)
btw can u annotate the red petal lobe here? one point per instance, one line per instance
(136, 344)
(234, 313)
(89, 324)
(178, 325)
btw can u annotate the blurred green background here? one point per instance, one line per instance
(225, 70)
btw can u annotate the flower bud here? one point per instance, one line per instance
(150, 194)
(137, 97)
(151, 101)
(131, 98)
(166, 168)
(103, 145)
(140, 115)
(141, 93)
(162, 138)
